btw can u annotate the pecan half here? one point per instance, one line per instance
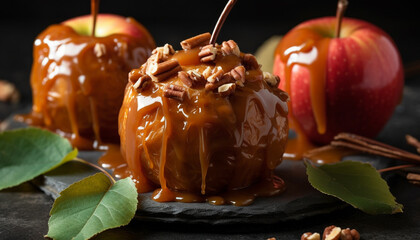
(331, 233)
(207, 53)
(199, 40)
(230, 48)
(174, 91)
(250, 62)
(162, 71)
(142, 83)
(164, 52)
(271, 79)
(215, 76)
(238, 73)
(310, 236)
(226, 78)
(192, 78)
(347, 234)
(226, 89)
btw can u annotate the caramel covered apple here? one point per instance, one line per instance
(203, 121)
(79, 75)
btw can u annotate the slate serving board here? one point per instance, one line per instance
(299, 201)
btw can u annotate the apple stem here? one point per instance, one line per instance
(341, 8)
(221, 20)
(94, 8)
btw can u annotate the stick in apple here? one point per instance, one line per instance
(221, 20)
(94, 8)
(341, 8)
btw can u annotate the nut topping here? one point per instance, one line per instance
(238, 73)
(207, 53)
(199, 40)
(158, 68)
(230, 48)
(226, 78)
(215, 76)
(250, 62)
(226, 89)
(271, 79)
(174, 91)
(332, 233)
(142, 83)
(192, 78)
(164, 52)
(310, 236)
(99, 49)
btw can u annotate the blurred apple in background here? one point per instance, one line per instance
(79, 75)
(342, 75)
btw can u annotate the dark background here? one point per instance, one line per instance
(250, 23)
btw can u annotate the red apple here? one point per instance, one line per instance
(78, 80)
(348, 84)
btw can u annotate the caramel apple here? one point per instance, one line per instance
(202, 122)
(79, 75)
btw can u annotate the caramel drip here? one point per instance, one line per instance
(78, 91)
(204, 161)
(305, 49)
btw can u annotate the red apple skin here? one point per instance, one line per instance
(364, 80)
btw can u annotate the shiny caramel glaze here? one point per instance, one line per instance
(78, 82)
(206, 147)
(307, 53)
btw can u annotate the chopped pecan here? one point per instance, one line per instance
(174, 91)
(164, 52)
(271, 79)
(8, 92)
(207, 72)
(250, 62)
(142, 83)
(230, 48)
(226, 78)
(238, 73)
(199, 40)
(158, 68)
(207, 53)
(192, 78)
(310, 236)
(331, 233)
(215, 76)
(226, 89)
(347, 234)
(134, 75)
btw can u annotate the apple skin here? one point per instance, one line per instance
(363, 85)
(66, 55)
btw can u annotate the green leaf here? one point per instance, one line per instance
(91, 206)
(356, 183)
(29, 152)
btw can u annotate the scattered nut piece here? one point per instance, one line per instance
(99, 49)
(142, 83)
(164, 52)
(158, 68)
(199, 40)
(332, 233)
(226, 89)
(192, 78)
(216, 76)
(271, 79)
(310, 236)
(250, 62)
(174, 91)
(347, 234)
(8, 92)
(226, 78)
(207, 72)
(208, 53)
(238, 73)
(230, 47)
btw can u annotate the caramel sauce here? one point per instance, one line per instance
(207, 147)
(77, 92)
(305, 48)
